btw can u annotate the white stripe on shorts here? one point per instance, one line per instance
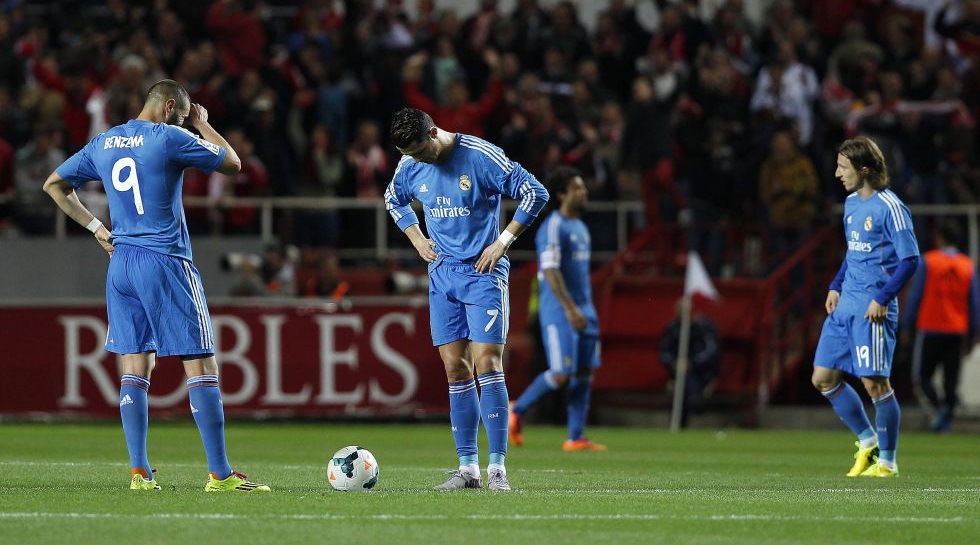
(198, 305)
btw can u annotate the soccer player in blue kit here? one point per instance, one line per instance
(569, 322)
(154, 296)
(859, 334)
(459, 180)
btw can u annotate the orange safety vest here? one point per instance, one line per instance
(945, 306)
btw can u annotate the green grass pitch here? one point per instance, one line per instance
(68, 483)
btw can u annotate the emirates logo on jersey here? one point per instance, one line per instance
(464, 182)
(444, 208)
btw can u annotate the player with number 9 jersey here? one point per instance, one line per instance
(141, 165)
(154, 294)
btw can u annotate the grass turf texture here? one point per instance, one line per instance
(69, 483)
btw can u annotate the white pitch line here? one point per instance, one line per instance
(484, 517)
(35, 463)
(125, 465)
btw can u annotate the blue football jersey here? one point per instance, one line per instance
(460, 198)
(879, 235)
(564, 244)
(141, 166)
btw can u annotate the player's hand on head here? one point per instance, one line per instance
(198, 114)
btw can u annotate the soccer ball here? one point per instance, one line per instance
(352, 469)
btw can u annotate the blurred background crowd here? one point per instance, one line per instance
(704, 115)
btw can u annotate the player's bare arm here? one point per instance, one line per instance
(492, 253)
(198, 118)
(63, 194)
(557, 284)
(424, 246)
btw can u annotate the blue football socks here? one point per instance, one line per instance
(579, 392)
(493, 408)
(464, 415)
(209, 414)
(541, 385)
(888, 415)
(134, 412)
(848, 406)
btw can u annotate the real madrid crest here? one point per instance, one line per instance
(465, 184)
(867, 223)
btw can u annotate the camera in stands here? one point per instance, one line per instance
(405, 283)
(234, 261)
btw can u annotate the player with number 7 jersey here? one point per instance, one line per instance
(459, 180)
(154, 293)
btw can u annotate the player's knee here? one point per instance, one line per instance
(561, 379)
(877, 387)
(823, 383)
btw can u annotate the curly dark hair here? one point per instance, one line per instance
(408, 126)
(556, 181)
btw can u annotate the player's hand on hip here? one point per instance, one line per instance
(105, 239)
(833, 297)
(490, 256)
(876, 312)
(426, 250)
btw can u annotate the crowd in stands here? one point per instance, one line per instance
(704, 116)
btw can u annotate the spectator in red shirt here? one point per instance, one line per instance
(250, 181)
(239, 35)
(458, 113)
(368, 161)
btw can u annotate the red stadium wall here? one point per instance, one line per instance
(312, 359)
(275, 360)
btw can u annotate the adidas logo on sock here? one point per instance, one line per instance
(193, 409)
(126, 400)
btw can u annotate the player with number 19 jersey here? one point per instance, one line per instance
(879, 236)
(141, 165)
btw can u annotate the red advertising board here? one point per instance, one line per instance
(276, 360)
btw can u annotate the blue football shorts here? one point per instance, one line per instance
(852, 344)
(156, 304)
(465, 304)
(569, 351)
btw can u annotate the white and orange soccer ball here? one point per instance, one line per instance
(352, 469)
